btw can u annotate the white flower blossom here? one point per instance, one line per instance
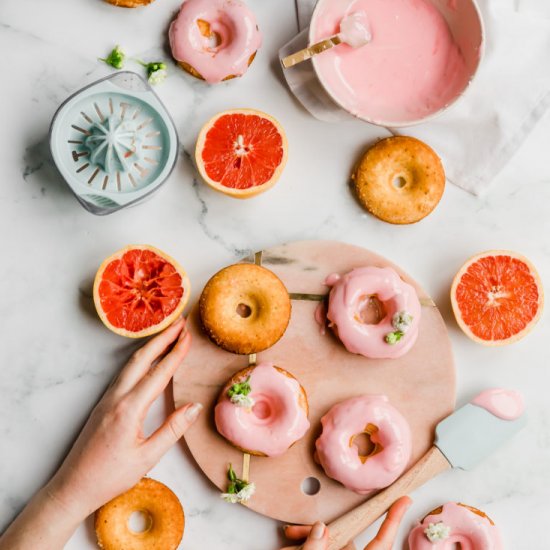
(156, 77)
(242, 496)
(402, 320)
(242, 400)
(437, 531)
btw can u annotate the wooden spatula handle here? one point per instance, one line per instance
(348, 526)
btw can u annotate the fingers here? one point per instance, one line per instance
(142, 359)
(157, 378)
(172, 430)
(386, 535)
(317, 535)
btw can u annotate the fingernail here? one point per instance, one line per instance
(193, 411)
(318, 531)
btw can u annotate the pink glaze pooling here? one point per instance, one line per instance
(506, 404)
(275, 421)
(340, 458)
(234, 26)
(411, 68)
(470, 530)
(350, 293)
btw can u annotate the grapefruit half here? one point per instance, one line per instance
(139, 291)
(241, 152)
(497, 297)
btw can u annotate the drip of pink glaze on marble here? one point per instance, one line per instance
(348, 294)
(410, 69)
(340, 458)
(505, 404)
(321, 317)
(276, 420)
(470, 530)
(234, 26)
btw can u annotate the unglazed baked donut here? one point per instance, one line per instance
(129, 3)
(452, 524)
(244, 308)
(268, 417)
(353, 297)
(214, 40)
(158, 502)
(400, 180)
(389, 434)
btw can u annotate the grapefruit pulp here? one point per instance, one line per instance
(241, 152)
(139, 291)
(497, 297)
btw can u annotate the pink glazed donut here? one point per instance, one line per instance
(389, 434)
(452, 524)
(214, 40)
(265, 417)
(397, 307)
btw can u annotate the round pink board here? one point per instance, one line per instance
(421, 384)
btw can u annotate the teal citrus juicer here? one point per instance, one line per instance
(113, 142)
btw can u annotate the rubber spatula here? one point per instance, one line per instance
(462, 440)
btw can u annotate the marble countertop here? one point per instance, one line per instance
(57, 358)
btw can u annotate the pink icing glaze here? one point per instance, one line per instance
(506, 404)
(410, 69)
(471, 530)
(340, 459)
(350, 293)
(276, 420)
(234, 24)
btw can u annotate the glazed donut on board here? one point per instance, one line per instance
(245, 308)
(399, 180)
(262, 410)
(152, 498)
(214, 40)
(389, 434)
(129, 3)
(455, 523)
(394, 327)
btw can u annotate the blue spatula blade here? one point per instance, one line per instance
(472, 433)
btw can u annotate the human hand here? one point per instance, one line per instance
(112, 453)
(317, 535)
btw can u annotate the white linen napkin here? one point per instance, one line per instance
(478, 135)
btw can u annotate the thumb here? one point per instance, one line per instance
(172, 430)
(317, 538)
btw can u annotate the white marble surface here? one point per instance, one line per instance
(57, 358)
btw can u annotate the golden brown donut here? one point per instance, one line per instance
(129, 3)
(400, 180)
(241, 376)
(167, 520)
(245, 308)
(188, 68)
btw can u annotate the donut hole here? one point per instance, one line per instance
(266, 408)
(140, 521)
(244, 310)
(399, 182)
(213, 39)
(371, 310)
(365, 443)
(262, 409)
(310, 486)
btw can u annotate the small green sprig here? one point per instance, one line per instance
(394, 337)
(238, 490)
(156, 71)
(115, 58)
(240, 388)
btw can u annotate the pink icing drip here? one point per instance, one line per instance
(346, 296)
(411, 68)
(236, 27)
(472, 531)
(275, 422)
(506, 404)
(341, 461)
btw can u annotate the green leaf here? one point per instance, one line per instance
(115, 58)
(394, 337)
(242, 388)
(231, 475)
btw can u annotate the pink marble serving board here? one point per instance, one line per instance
(420, 384)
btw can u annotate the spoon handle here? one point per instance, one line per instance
(310, 51)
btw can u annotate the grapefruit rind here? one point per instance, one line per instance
(168, 320)
(251, 191)
(458, 314)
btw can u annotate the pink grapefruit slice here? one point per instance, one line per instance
(497, 297)
(241, 152)
(139, 291)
